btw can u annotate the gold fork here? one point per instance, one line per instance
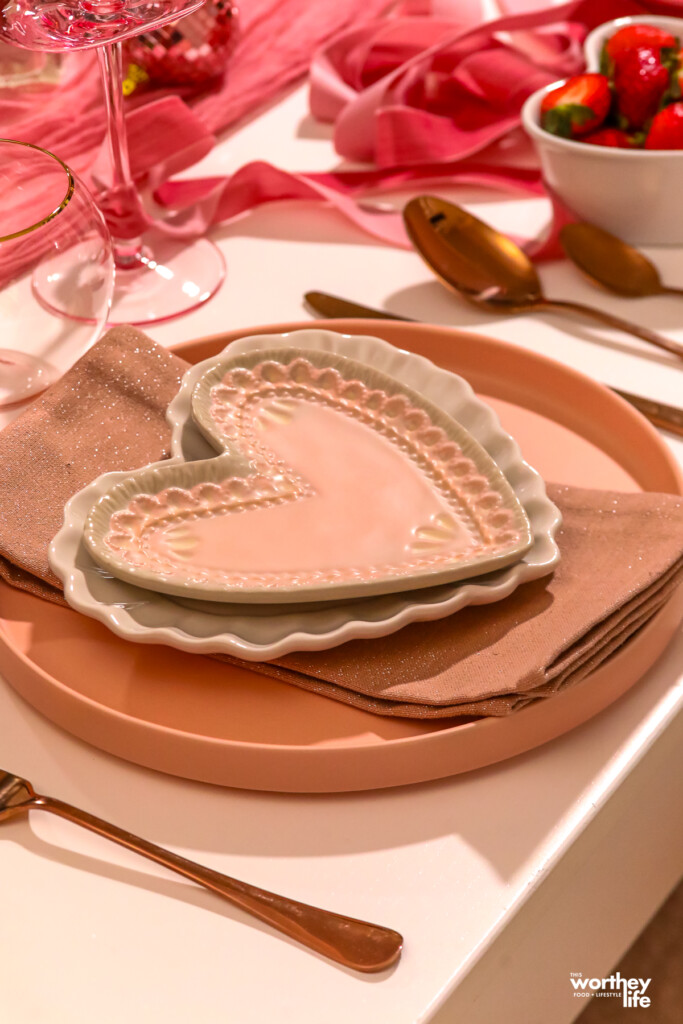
(356, 944)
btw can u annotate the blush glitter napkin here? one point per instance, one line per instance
(622, 556)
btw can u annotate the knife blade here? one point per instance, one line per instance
(666, 417)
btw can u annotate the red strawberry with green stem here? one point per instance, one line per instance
(641, 81)
(632, 36)
(666, 130)
(576, 107)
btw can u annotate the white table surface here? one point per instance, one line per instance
(502, 881)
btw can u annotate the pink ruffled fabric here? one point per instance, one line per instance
(276, 43)
(418, 91)
(425, 94)
(428, 94)
(168, 133)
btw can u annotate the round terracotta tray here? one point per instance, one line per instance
(199, 719)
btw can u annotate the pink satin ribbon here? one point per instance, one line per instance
(421, 99)
(424, 101)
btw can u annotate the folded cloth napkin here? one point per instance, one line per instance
(622, 556)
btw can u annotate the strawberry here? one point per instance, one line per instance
(630, 37)
(612, 137)
(666, 130)
(640, 82)
(576, 107)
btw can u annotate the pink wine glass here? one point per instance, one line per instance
(54, 248)
(157, 277)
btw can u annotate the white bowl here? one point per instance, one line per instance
(634, 194)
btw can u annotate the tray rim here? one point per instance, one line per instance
(335, 772)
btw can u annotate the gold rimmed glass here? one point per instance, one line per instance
(55, 254)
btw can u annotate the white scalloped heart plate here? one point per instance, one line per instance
(263, 632)
(355, 485)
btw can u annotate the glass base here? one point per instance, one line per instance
(23, 375)
(169, 279)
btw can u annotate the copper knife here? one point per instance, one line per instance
(666, 417)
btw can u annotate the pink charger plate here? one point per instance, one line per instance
(197, 718)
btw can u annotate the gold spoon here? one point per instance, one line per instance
(614, 264)
(489, 270)
(356, 944)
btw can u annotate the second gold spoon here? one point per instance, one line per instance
(488, 269)
(614, 264)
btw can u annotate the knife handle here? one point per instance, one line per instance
(667, 417)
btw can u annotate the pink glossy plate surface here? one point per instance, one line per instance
(196, 718)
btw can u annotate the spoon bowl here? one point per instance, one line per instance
(470, 257)
(611, 263)
(488, 269)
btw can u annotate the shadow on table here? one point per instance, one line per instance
(189, 893)
(309, 128)
(431, 302)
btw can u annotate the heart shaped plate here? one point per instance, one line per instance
(259, 632)
(334, 481)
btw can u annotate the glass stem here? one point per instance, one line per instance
(122, 207)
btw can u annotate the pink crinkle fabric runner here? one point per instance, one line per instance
(429, 93)
(276, 42)
(421, 93)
